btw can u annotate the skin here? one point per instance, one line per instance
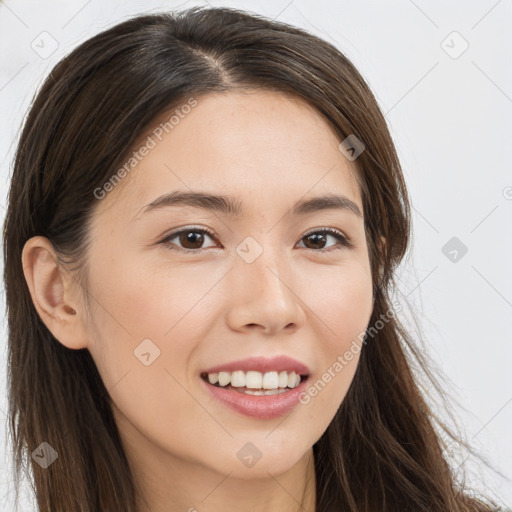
(201, 309)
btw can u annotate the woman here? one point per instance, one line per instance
(257, 365)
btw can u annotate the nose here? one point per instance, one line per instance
(265, 294)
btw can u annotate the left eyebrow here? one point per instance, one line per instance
(233, 207)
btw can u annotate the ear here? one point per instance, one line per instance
(53, 290)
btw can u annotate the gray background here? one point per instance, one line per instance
(449, 111)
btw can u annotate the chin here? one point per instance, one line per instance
(260, 459)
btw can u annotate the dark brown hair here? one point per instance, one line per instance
(382, 451)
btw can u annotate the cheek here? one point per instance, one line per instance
(143, 315)
(142, 343)
(341, 300)
(138, 299)
(162, 300)
(341, 311)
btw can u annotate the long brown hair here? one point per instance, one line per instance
(382, 451)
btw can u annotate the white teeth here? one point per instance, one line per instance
(224, 378)
(270, 380)
(293, 380)
(238, 379)
(257, 381)
(254, 380)
(266, 392)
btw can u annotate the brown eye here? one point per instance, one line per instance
(190, 239)
(317, 240)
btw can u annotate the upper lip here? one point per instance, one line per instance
(262, 364)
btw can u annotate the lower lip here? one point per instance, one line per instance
(264, 407)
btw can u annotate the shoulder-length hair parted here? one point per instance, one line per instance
(382, 451)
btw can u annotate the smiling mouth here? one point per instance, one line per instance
(255, 383)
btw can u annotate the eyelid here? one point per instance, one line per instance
(326, 230)
(177, 231)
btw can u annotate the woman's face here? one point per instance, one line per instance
(256, 287)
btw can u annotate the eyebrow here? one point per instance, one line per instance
(233, 207)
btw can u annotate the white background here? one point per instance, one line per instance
(451, 119)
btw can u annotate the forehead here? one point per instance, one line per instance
(258, 145)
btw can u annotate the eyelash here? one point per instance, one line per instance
(344, 240)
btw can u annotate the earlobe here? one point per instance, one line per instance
(50, 285)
